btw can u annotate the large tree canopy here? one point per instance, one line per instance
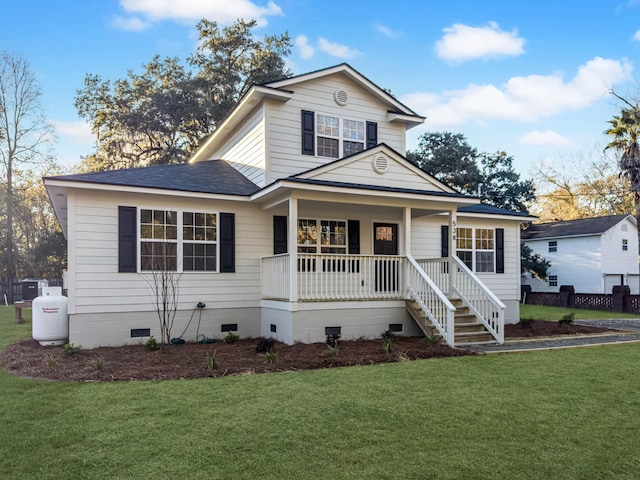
(161, 115)
(449, 157)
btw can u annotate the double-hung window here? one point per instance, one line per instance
(476, 248)
(338, 137)
(178, 241)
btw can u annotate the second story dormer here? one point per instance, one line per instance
(289, 126)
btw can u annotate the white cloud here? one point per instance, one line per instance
(77, 132)
(191, 11)
(462, 42)
(523, 99)
(386, 31)
(132, 24)
(306, 50)
(545, 138)
(636, 36)
(336, 50)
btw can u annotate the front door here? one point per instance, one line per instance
(385, 242)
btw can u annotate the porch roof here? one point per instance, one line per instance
(379, 188)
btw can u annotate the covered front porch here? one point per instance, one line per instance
(341, 245)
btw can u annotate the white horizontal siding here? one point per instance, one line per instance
(99, 288)
(361, 171)
(426, 243)
(284, 123)
(577, 262)
(246, 148)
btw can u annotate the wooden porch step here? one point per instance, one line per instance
(421, 319)
(465, 338)
(470, 327)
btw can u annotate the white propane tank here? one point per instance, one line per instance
(50, 323)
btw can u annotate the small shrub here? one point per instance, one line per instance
(431, 340)
(231, 338)
(332, 339)
(152, 344)
(566, 322)
(51, 360)
(71, 349)
(270, 356)
(265, 345)
(212, 363)
(387, 341)
(526, 322)
(333, 349)
(98, 362)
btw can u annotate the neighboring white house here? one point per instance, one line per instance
(298, 217)
(592, 254)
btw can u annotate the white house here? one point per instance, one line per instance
(592, 254)
(298, 217)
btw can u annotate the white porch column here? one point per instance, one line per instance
(407, 249)
(453, 223)
(293, 250)
(407, 231)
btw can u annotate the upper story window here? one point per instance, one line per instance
(625, 244)
(336, 137)
(476, 248)
(553, 280)
(553, 246)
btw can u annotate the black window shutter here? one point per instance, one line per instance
(308, 133)
(227, 242)
(444, 241)
(127, 242)
(279, 234)
(499, 250)
(353, 232)
(372, 134)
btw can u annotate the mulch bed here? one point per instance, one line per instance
(27, 358)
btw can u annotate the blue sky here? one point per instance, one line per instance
(530, 78)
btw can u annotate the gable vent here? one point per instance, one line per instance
(380, 164)
(341, 97)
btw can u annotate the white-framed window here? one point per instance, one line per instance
(553, 280)
(476, 248)
(338, 137)
(553, 246)
(322, 236)
(178, 240)
(625, 244)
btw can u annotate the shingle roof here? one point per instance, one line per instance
(378, 188)
(572, 228)
(212, 176)
(491, 210)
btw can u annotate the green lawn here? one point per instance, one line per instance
(538, 312)
(561, 414)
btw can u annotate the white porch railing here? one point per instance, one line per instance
(326, 277)
(432, 300)
(481, 301)
(275, 277)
